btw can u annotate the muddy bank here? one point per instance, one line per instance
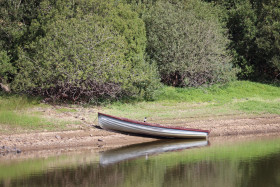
(92, 138)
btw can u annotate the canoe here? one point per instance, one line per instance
(125, 125)
(147, 149)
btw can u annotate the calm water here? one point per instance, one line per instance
(162, 163)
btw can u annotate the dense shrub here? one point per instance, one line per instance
(6, 67)
(254, 31)
(86, 54)
(268, 40)
(188, 45)
(15, 18)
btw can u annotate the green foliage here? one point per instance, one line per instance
(86, 55)
(6, 66)
(268, 40)
(254, 29)
(241, 24)
(188, 44)
(15, 18)
(72, 59)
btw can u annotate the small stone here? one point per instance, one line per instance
(82, 118)
(57, 137)
(18, 151)
(91, 135)
(100, 140)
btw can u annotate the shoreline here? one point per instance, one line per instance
(92, 138)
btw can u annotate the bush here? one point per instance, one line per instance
(268, 40)
(6, 67)
(254, 30)
(79, 59)
(188, 44)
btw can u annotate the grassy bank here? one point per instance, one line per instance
(236, 98)
(21, 113)
(240, 97)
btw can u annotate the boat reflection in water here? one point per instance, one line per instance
(144, 149)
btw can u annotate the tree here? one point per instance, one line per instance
(86, 53)
(188, 45)
(268, 40)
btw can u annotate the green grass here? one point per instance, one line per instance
(13, 120)
(62, 110)
(237, 97)
(14, 114)
(17, 102)
(259, 107)
(216, 93)
(171, 105)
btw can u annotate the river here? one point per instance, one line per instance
(234, 162)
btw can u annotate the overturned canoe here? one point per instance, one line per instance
(113, 123)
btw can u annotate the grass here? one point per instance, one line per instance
(171, 104)
(17, 102)
(237, 97)
(15, 115)
(62, 110)
(222, 94)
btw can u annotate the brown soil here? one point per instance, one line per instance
(98, 139)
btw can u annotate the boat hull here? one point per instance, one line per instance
(129, 126)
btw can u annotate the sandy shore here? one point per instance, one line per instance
(98, 139)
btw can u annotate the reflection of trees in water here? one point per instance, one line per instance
(210, 173)
(250, 172)
(262, 172)
(87, 175)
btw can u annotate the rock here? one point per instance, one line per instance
(100, 140)
(6, 149)
(91, 135)
(57, 137)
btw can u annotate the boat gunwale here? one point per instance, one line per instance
(153, 124)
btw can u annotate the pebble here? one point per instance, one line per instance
(57, 137)
(6, 149)
(100, 140)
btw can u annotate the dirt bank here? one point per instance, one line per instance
(98, 139)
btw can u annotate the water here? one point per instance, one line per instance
(163, 163)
